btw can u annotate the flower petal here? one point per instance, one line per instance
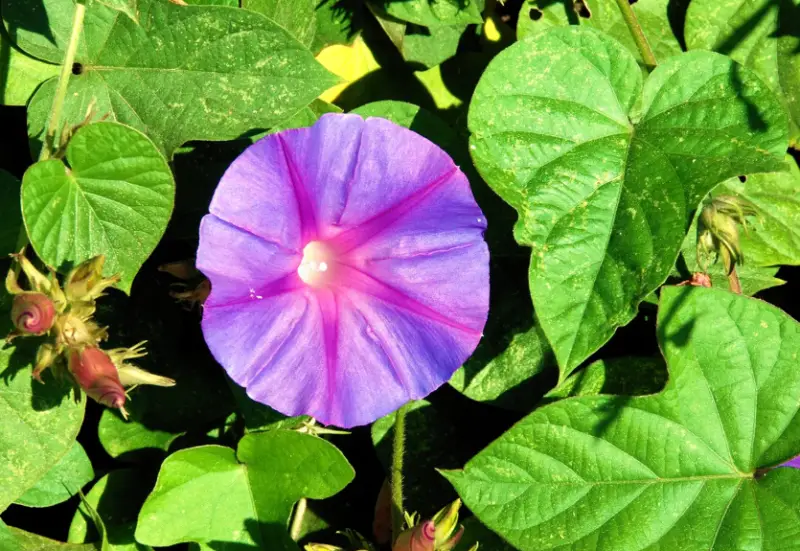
(344, 358)
(242, 266)
(435, 254)
(256, 194)
(404, 299)
(354, 169)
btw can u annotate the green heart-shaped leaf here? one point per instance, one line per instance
(243, 497)
(683, 469)
(764, 35)
(177, 73)
(40, 423)
(115, 198)
(605, 172)
(63, 481)
(21, 74)
(117, 498)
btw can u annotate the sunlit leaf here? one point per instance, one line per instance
(20, 74)
(114, 198)
(440, 12)
(63, 481)
(253, 491)
(536, 16)
(40, 423)
(296, 16)
(763, 35)
(605, 174)
(179, 73)
(773, 236)
(677, 470)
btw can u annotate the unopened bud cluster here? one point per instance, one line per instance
(72, 338)
(718, 230)
(441, 533)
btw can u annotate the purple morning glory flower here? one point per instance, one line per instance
(348, 269)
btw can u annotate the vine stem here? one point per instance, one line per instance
(63, 80)
(54, 117)
(398, 450)
(636, 30)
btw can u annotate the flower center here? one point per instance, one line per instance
(315, 269)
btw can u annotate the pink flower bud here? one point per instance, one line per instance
(97, 375)
(33, 313)
(421, 537)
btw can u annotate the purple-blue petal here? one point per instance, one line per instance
(406, 296)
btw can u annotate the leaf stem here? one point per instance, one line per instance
(733, 281)
(297, 520)
(63, 80)
(636, 30)
(398, 450)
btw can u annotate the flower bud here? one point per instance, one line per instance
(447, 530)
(96, 374)
(86, 283)
(421, 537)
(78, 331)
(33, 313)
(441, 533)
(45, 356)
(718, 232)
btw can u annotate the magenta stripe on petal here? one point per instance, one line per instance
(348, 269)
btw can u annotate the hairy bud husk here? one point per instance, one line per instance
(86, 283)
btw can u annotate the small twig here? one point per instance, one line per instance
(636, 30)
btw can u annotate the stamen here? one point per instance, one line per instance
(314, 270)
